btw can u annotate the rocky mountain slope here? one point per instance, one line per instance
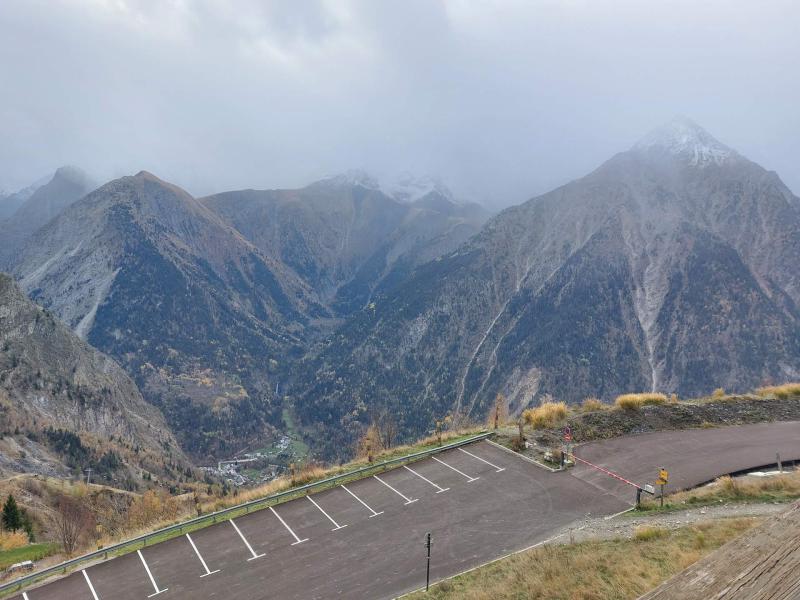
(54, 387)
(67, 185)
(674, 267)
(194, 312)
(346, 237)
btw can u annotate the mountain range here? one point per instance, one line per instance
(671, 267)
(208, 304)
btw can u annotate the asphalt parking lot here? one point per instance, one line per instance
(362, 540)
(366, 540)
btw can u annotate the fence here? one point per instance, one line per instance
(219, 515)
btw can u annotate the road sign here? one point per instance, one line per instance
(661, 482)
(567, 434)
(663, 474)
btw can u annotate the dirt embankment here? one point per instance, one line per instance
(733, 410)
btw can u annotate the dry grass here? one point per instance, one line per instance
(9, 540)
(646, 533)
(596, 570)
(778, 488)
(546, 416)
(637, 401)
(594, 405)
(718, 393)
(787, 390)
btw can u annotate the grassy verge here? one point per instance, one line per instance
(31, 552)
(595, 570)
(778, 488)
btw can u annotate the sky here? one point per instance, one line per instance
(501, 99)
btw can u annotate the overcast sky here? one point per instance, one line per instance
(502, 99)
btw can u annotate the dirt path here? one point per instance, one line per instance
(623, 526)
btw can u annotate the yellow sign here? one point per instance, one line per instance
(661, 482)
(663, 475)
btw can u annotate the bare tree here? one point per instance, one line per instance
(388, 428)
(499, 412)
(70, 522)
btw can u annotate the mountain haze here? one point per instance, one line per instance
(345, 236)
(67, 185)
(672, 267)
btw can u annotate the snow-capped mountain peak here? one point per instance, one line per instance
(353, 177)
(685, 138)
(407, 187)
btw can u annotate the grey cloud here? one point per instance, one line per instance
(501, 99)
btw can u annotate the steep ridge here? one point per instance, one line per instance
(200, 318)
(673, 266)
(51, 380)
(347, 238)
(67, 185)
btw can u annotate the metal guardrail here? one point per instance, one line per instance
(215, 517)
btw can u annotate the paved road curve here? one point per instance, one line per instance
(365, 540)
(692, 457)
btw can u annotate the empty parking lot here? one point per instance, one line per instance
(366, 539)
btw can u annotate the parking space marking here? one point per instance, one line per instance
(89, 583)
(438, 487)
(246, 543)
(330, 518)
(469, 479)
(289, 529)
(150, 575)
(374, 514)
(482, 460)
(202, 562)
(406, 498)
(25, 596)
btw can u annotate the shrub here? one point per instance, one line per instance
(593, 405)
(646, 533)
(718, 393)
(673, 398)
(636, 401)
(546, 416)
(787, 390)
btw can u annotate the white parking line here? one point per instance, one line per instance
(289, 529)
(408, 500)
(330, 518)
(202, 562)
(441, 489)
(374, 514)
(246, 543)
(25, 596)
(469, 479)
(150, 575)
(89, 583)
(482, 460)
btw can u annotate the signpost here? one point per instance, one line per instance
(566, 450)
(428, 570)
(663, 478)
